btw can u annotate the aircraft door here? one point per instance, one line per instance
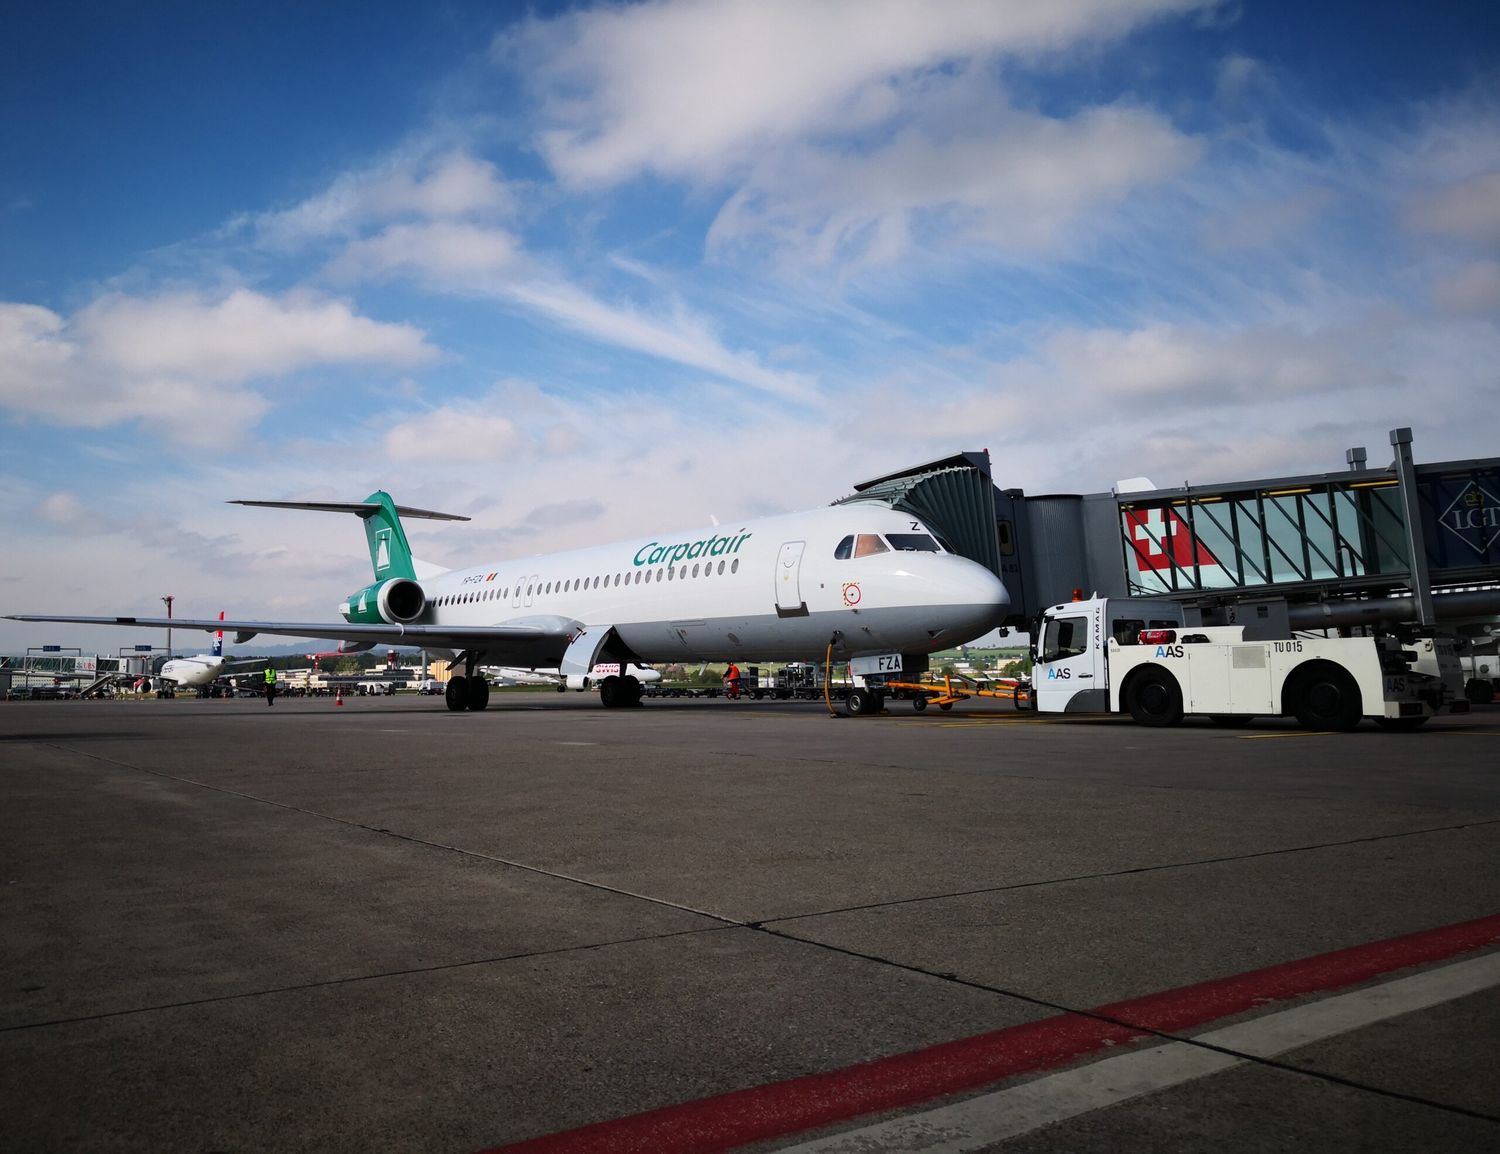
(530, 588)
(789, 602)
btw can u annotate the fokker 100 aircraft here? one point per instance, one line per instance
(861, 579)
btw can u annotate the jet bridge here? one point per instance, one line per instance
(1417, 543)
(1412, 543)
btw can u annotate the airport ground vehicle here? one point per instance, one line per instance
(1481, 677)
(796, 679)
(1138, 656)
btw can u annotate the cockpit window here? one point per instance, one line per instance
(845, 548)
(868, 544)
(912, 542)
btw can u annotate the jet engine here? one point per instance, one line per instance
(399, 600)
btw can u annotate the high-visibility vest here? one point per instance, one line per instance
(270, 676)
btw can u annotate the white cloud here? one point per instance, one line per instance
(464, 433)
(1467, 209)
(64, 508)
(243, 335)
(1195, 366)
(1015, 181)
(681, 337)
(446, 254)
(181, 362)
(34, 353)
(1238, 75)
(1473, 289)
(448, 187)
(687, 88)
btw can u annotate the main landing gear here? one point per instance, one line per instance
(469, 691)
(619, 692)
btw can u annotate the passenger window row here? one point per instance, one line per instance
(579, 584)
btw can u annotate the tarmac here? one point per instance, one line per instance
(385, 926)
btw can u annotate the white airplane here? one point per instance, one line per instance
(579, 681)
(204, 670)
(850, 581)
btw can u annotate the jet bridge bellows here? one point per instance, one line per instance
(954, 496)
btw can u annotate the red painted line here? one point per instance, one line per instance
(778, 1109)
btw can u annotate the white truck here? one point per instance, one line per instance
(1138, 656)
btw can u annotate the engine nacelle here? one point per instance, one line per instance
(578, 681)
(399, 600)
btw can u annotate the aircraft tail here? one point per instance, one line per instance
(389, 552)
(218, 649)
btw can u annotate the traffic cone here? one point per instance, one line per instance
(338, 698)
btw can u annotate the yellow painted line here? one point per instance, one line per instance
(1469, 732)
(1292, 733)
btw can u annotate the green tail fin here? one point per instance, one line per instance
(389, 552)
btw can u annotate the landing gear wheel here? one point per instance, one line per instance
(1327, 698)
(478, 694)
(610, 693)
(1400, 724)
(1230, 720)
(859, 702)
(1155, 699)
(631, 688)
(562, 686)
(919, 703)
(456, 694)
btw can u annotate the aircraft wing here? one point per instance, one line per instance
(528, 641)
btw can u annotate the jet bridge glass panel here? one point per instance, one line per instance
(1308, 535)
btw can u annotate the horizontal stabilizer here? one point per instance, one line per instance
(362, 508)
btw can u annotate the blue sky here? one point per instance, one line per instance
(586, 271)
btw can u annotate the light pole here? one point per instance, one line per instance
(168, 600)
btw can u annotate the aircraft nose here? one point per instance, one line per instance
(988, 595)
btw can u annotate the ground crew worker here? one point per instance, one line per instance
(732, 676)
(270, 685)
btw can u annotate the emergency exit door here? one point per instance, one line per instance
(789, 602)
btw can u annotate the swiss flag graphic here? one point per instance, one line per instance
(1160, 539)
